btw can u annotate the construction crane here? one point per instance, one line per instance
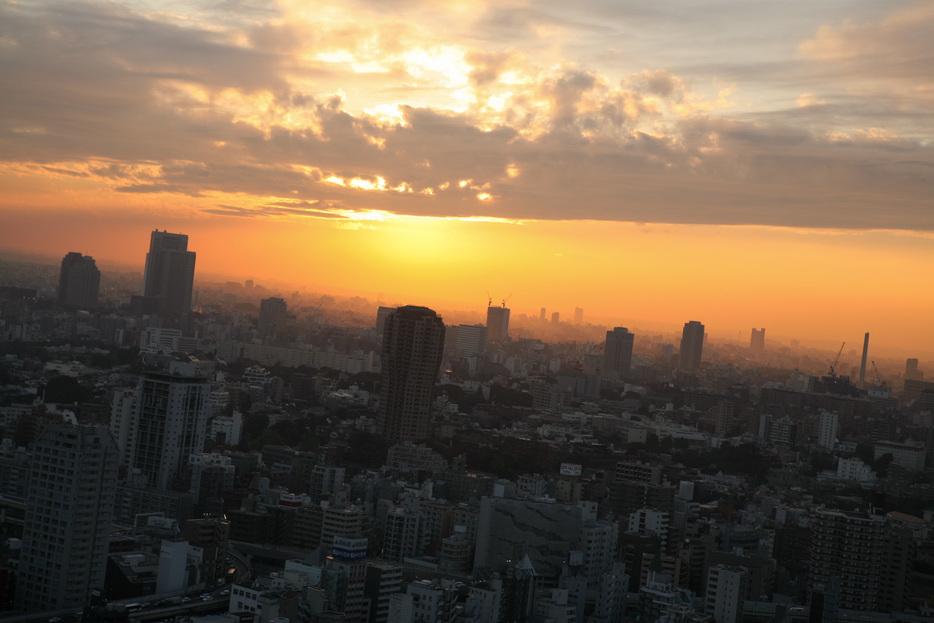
(506, 299)
(489, 302)
(875, 371)
(836, 360)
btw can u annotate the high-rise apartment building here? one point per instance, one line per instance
(413, 343)
(273, 313)
(692, 345)
(170, 272)
(171, 419)
(869, 554)
(69, 509)
(79, 282)
(757, 340)
(497, 324)
(617, 353)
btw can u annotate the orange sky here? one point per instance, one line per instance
(743, 164)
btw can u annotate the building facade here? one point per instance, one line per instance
(69, 509)
(169, 273)
(413, 343)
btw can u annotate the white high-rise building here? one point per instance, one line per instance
(827, 432)
(171, 422)
(726, 592)
(69, 509)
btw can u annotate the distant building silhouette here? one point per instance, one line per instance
(413, 343)
(79, 282)
(170, 272)
(273, 313)
(555, 317)
(617, 353)
(69, 507)
(541, 316)
(692, 345)
(497, 325)
(757, 341)
(578, 315)
(912, 373)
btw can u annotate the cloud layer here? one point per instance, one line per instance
(459, 110)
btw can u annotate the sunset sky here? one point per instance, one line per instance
(739, 163)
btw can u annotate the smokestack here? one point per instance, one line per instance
(862, 365)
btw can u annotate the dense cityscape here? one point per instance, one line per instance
(175, 449)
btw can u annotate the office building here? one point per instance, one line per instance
(79, 282)
(69, 508)
(726, 593)
(617, 353)
(497, 324)
(413, 343)
(465, 340)
(170, 272)
(273, 313)
(171, 422)
(757, 341)
(692, 345)
(578, 315)
(912, 373)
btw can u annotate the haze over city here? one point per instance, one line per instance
(751, 164)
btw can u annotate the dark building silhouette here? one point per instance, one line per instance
(497, 324)
(413, 342)
(617, 353)
(170, 272)
(692, 344)
(757, 340)
(79, 282)
(273, 313)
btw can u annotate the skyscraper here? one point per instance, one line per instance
(757, 340)
(413, 343)
(171, 418)
(69, 510)
(578, 315)
(497, 324)
(617, 353)
(273, 313)
(170, 272)
(79, 282)
(692, 344)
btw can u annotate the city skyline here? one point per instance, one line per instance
(750, 165)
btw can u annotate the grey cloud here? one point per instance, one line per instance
(113, 103)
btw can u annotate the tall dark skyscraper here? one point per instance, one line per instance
(692, 344)
(617, 353)
(170, 272)
(273, 313)
(757, 340)
(497, 324)
(69, 508)
(413, 342)
(79, 282)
